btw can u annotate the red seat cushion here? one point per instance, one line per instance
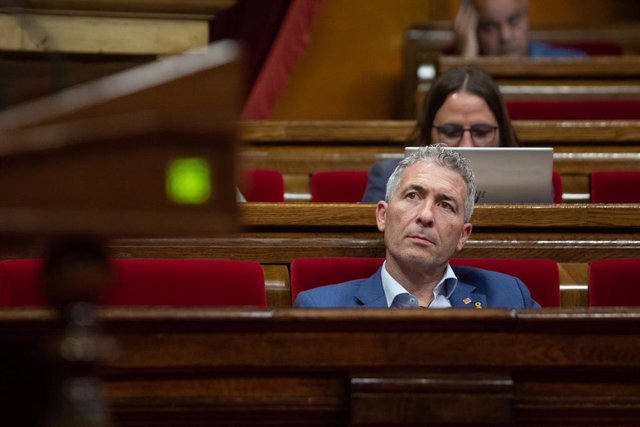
(582, 109)
(20, 283)
(309, 273)
(152, 282)
(557, 187)
(263, 185)
(614, 282)
(592, 48)
(339, 186)
(541, 276)
(615, 187)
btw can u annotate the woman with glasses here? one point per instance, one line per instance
(464, 108)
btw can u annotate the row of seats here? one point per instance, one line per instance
(348, 186)
(216, 282)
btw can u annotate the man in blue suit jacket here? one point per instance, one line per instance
(425, 220)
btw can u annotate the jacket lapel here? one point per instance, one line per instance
(465, 296)
(371, 293)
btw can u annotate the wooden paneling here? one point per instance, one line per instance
(352, 66)
(364, 367)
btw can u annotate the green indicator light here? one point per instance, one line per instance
(189, 181)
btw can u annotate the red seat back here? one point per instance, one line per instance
(576, 109)
(20, 283)
(151, 282)
(556, 179)
(339, 186)
(541, 276)
(615, 187)
(592, 48)
(614, 282)
(263, 185)
(309, 273)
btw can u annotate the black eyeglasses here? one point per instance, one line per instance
(481, 134)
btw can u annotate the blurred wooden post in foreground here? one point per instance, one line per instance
(146, 152)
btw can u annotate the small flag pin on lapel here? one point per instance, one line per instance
(466, 300)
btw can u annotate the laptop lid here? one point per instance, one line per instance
(509, 174)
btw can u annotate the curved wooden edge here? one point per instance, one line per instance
(500, 66)
(130, 320)
(363, 132)
(362, 215)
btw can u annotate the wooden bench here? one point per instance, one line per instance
(363, 367)
(299, 148)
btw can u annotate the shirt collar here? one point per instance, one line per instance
(443, 289)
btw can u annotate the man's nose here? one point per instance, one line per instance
(425, 214)
(505, 32)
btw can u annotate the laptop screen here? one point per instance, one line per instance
(509, 174)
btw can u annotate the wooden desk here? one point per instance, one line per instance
(365, 367)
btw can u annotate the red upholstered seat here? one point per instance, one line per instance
(309, 273)
(345, 186)
(151, 282)
(556, 178)
(615, 187)
(541, 276)
(20, 283)
(577, 109)
(614, 282)
(263, 185)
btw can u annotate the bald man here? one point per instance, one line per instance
(499, 28)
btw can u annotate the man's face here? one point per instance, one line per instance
(503, 27)
(423, 223)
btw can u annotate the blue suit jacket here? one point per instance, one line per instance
(378, 176)
(479, 288)
(539, 49)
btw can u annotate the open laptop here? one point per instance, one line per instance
(509, 175)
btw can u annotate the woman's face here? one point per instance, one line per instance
(465, 120)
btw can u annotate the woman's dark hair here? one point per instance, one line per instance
(473, 80)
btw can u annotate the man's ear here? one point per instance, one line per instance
(464, 235)
(381, 214)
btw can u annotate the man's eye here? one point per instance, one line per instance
(447, 205)
(412, 195)
(515, 20)
(488, 26)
